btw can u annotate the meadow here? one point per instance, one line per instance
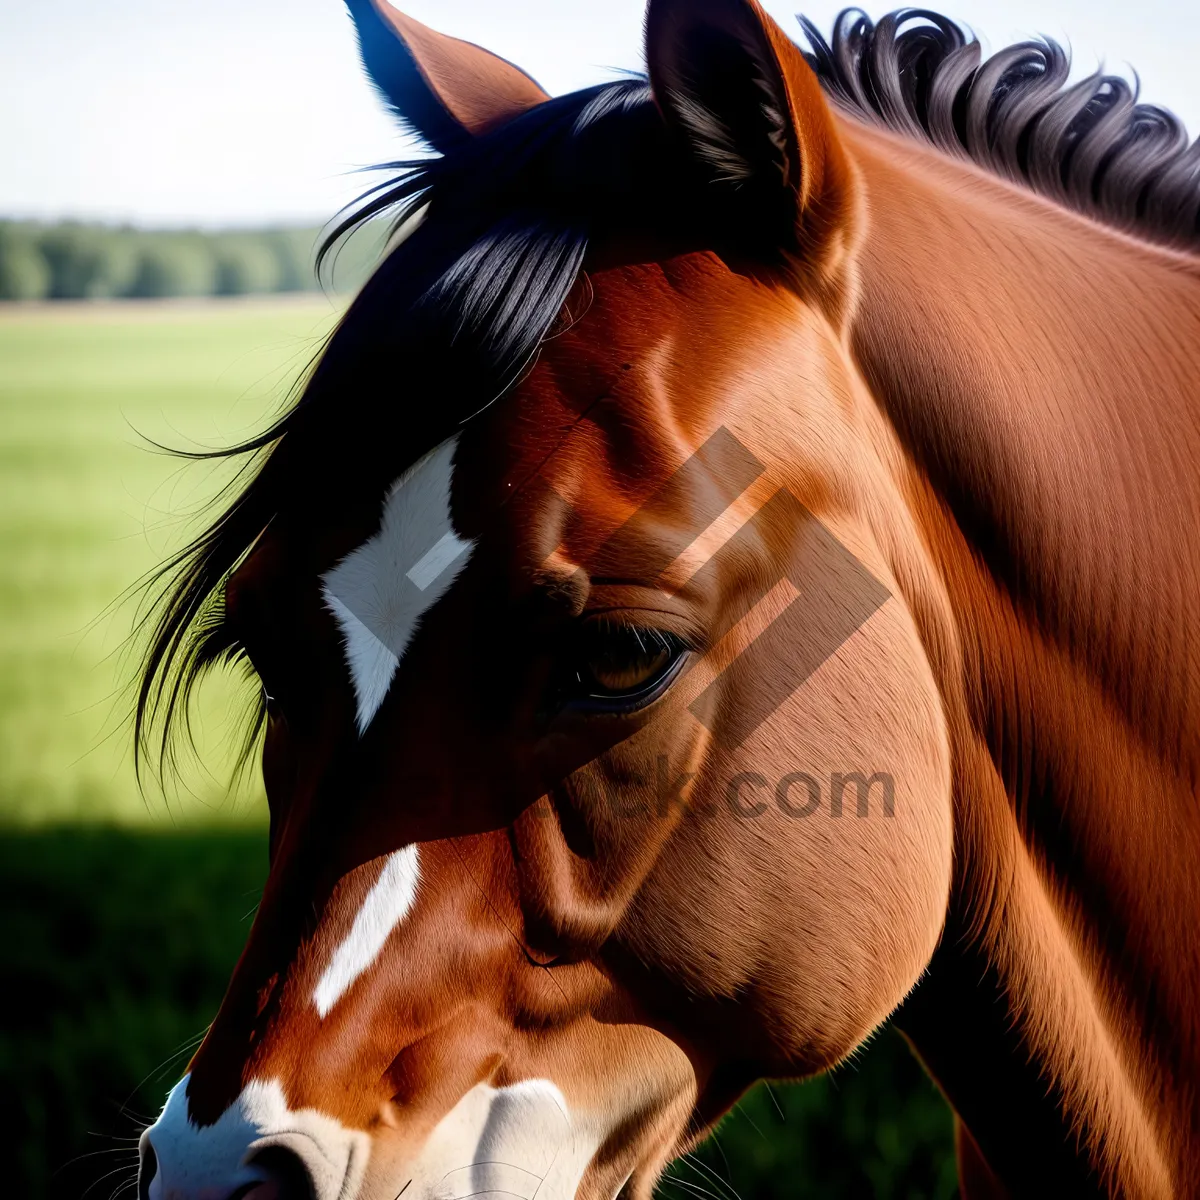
(88, 506)
(123, 909)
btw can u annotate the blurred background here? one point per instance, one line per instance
(165, 173)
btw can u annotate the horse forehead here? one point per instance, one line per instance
(645, 375)
(380, 591)
(581, 441)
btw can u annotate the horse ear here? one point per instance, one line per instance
(444, 88)
(739, 93)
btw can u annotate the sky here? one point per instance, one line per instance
(236, 112)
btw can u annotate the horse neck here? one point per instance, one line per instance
(1039, 373)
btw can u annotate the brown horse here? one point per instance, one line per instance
(732, 576)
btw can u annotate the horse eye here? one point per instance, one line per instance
(621, 668)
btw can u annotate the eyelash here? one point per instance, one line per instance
(649, 639)
(658, 638)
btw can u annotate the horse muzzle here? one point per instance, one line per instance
(258, 1149)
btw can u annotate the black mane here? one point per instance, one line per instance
(1088, 145)
(450, 320)
(455, 313)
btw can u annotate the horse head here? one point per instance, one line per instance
(606, 764)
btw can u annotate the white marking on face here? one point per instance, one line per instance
(220, 1159)
(379, 592)
(387, 904)
(448, 548)
(520, 1141)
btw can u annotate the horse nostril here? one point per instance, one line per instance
(147, 1168)
(260, 1191)
(288, 1177)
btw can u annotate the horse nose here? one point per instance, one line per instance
(281, 1175)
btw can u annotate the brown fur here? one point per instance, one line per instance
(992, 403)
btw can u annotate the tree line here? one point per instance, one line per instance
(72, 260)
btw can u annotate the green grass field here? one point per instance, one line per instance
(86, 508)
(122, 916)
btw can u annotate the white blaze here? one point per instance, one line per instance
(386, 905)
(379, 592)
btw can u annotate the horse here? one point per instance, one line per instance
(729, 579)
